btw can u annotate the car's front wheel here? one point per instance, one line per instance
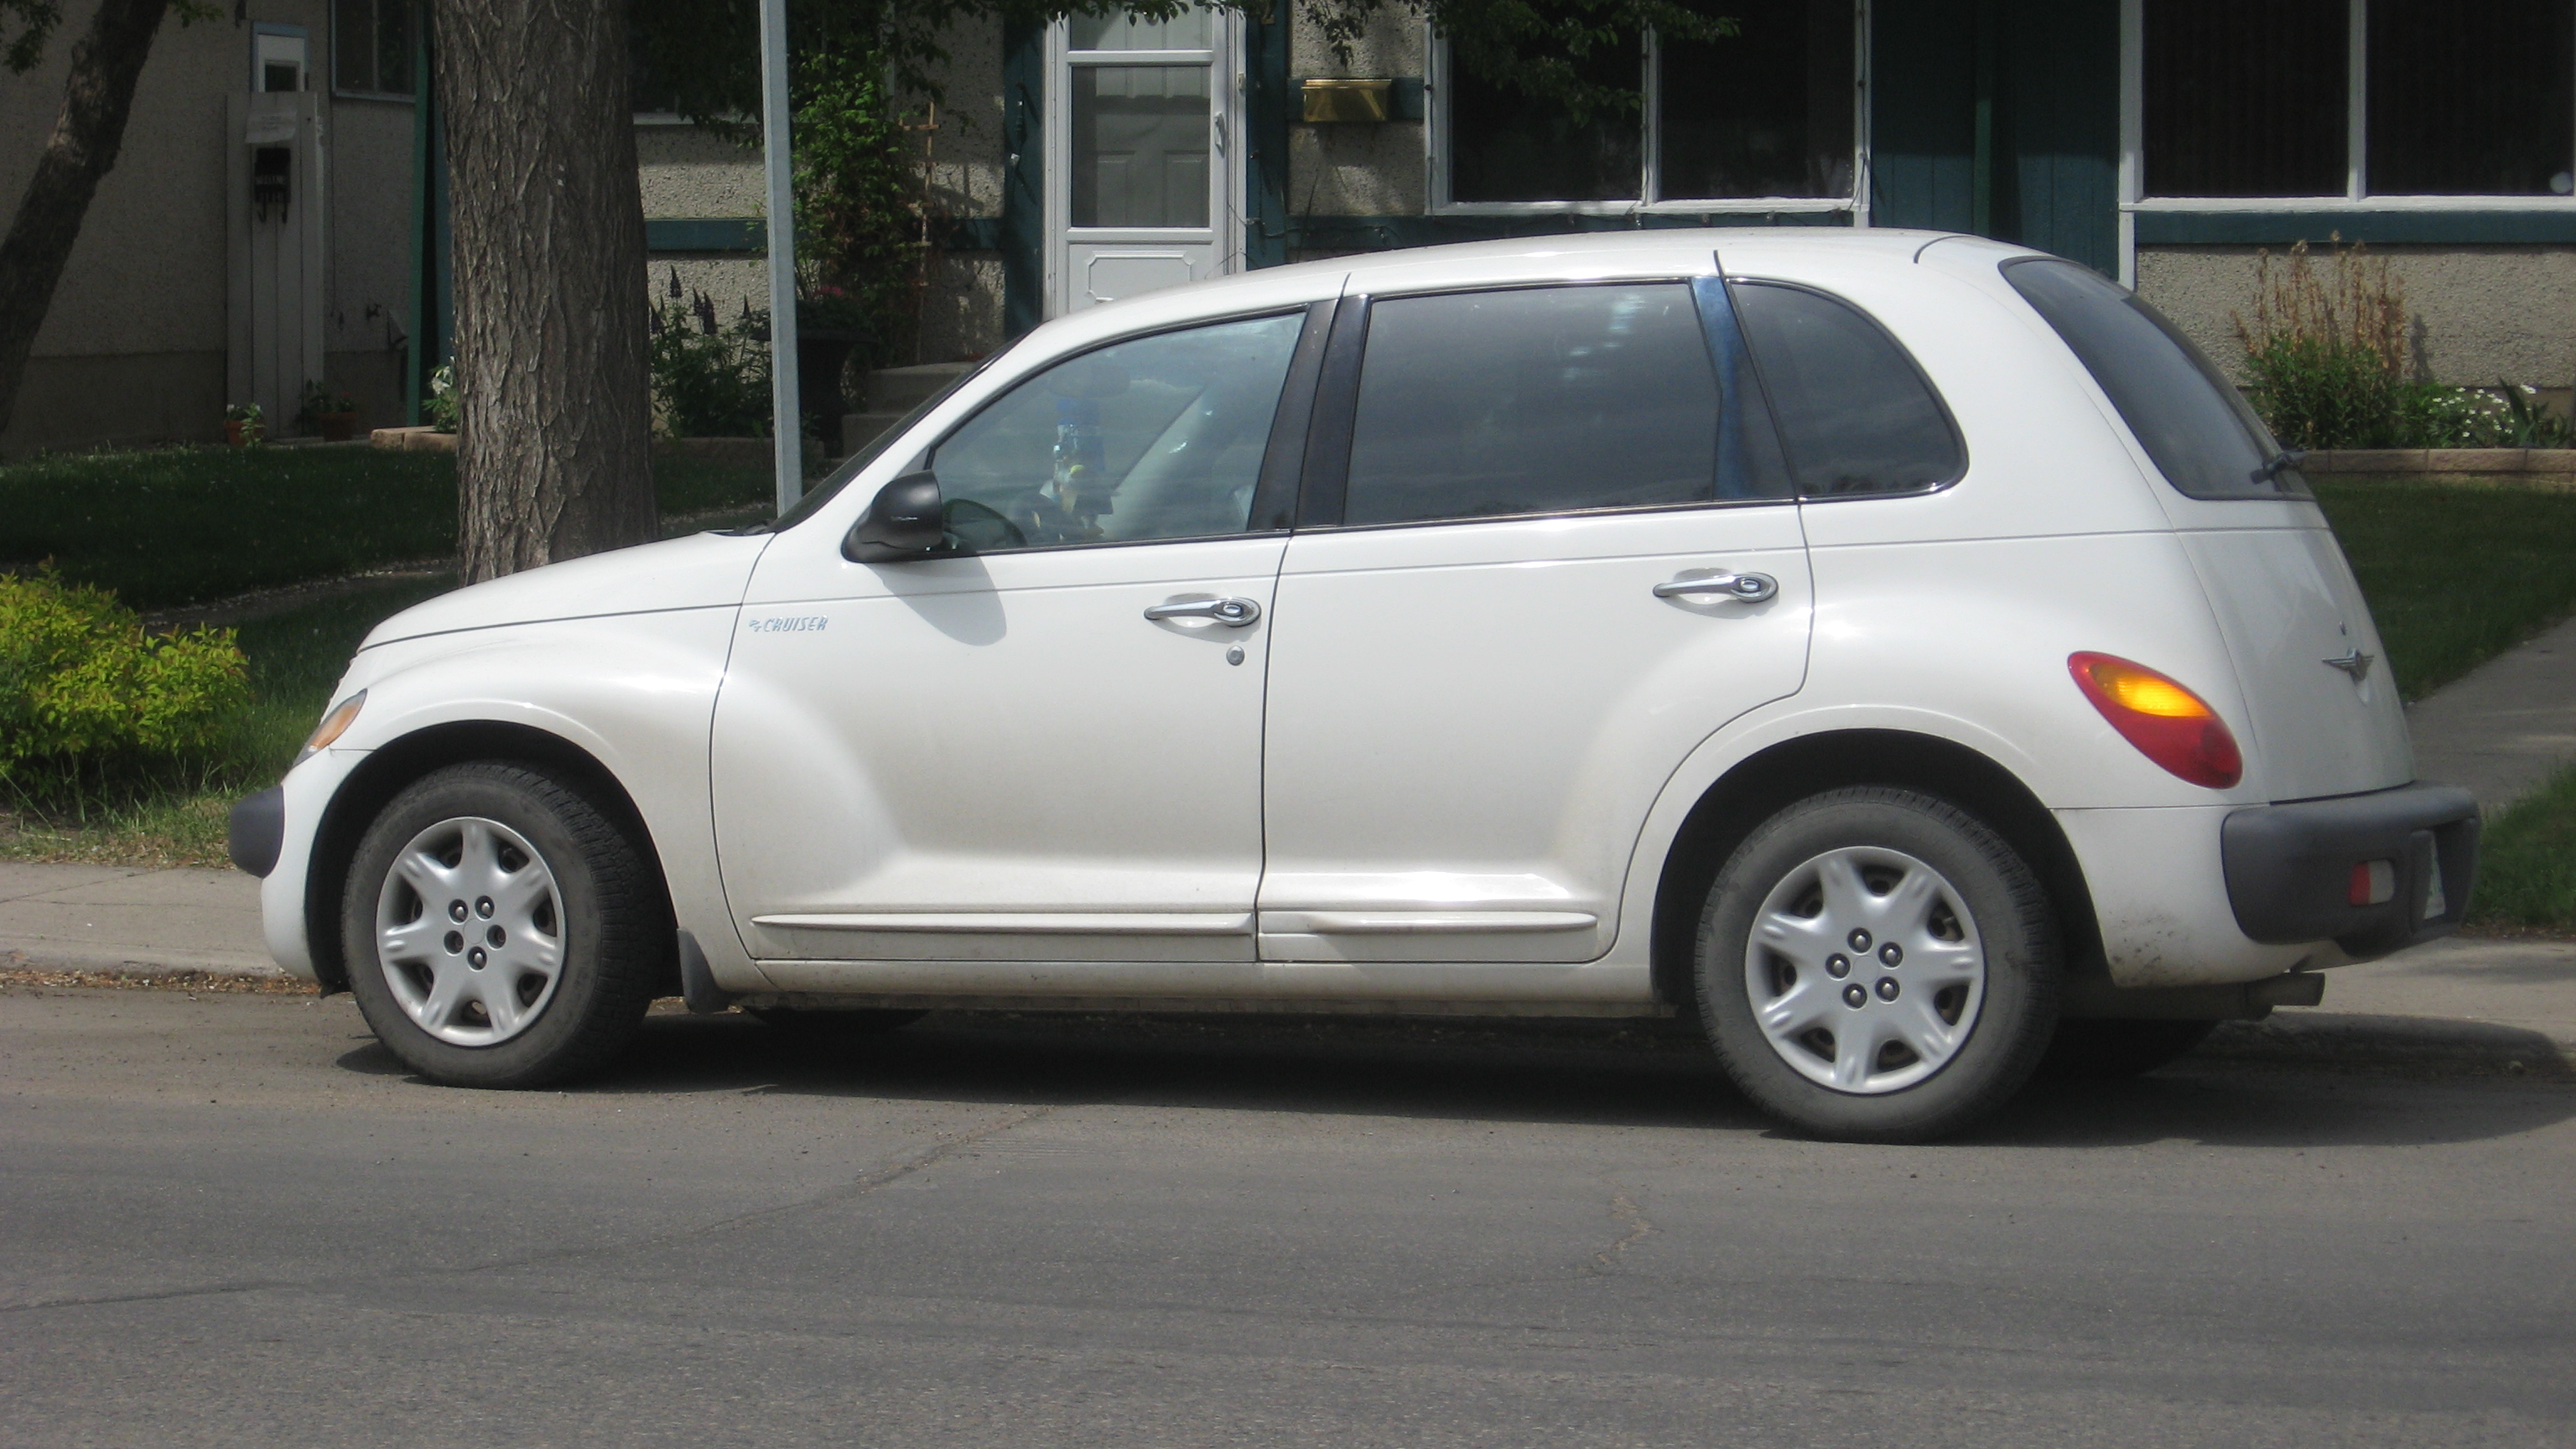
(1875, 964)
(501, 929)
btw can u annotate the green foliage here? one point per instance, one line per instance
(2506, 416)
(710, 381)
(90, 702)
(860, 208)
(320, 399)
(444, 401)
(26, 25)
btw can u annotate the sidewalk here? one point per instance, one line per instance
(2506, 726)
(127, 919)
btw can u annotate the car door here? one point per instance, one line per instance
(1552, 548)
(1042, 742)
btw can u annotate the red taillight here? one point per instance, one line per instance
(2168, 723)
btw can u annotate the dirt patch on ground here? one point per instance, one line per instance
(193, 982)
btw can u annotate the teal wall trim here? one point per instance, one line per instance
(1023, 234)
(2281, 228)
(2000, 117)
(1385, 233)
(1268, 96)
(705, 234)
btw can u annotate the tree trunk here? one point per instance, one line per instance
(96, 101)
(554, 447)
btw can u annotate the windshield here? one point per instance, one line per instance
(857, 463)
(2193, 423)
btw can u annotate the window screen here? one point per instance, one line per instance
(1766, 111)
(1855, 413)
(1507, 146)
(371, 46)
(1540, 400)
(2193, 424)
(2229, 113)
(1160, 437)
(2472, 99)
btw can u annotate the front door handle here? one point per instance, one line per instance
(1232, 613)
(1751, 588)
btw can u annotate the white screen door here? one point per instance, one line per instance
(1144, 177)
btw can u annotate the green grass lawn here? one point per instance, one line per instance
(2527, 862)
(2455, 573)
(185, 525)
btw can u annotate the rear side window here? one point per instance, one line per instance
(1538, 400)
(2195, 426)
(1856, 415)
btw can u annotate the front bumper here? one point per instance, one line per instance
(2291, 868)
(257, 831)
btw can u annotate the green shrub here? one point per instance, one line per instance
(92, 706)
(709, 381)
(2325, 357)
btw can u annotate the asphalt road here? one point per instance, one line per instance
(232, 1220)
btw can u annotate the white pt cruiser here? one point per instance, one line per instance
(1901, 651)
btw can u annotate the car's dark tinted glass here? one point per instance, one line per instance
(1542, 400)
(1854, 411)
(2196, 427)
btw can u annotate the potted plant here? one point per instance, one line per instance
(245, 426)
(332, 414)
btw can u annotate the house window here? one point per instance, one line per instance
(1765, 115)
(371, 47)
(2444, 99)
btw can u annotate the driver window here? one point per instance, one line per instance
(1161, 437)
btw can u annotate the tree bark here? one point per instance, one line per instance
(96, 100)
(554, 447)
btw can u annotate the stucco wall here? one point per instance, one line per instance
(2476, 313)
(1358, 168)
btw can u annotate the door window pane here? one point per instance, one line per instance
(1765, 112)
(1855, 413)
(1140, 145)
(1161, 437)
(1186, 31)
(1534, 401)
(1505, 146)
(2193, 424)
(2245, 97)
(2472, 99)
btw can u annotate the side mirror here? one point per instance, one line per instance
(905, 521)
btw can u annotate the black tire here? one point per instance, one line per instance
(864, 1021)
(2109, 1051)
(2016, 971)
(613, 938)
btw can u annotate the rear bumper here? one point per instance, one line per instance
(2290, 868)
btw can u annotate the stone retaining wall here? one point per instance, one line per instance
(2552, 462)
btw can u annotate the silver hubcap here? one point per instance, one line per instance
(1864, 970)
(469, 931)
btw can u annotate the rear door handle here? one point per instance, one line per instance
(1232, 613)
(1750, 588)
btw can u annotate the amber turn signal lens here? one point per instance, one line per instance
(2168, 723)
(334, 725)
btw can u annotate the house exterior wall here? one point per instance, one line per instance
(132, 350)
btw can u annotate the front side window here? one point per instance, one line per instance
(1855, 414)
(2261, 100)
(1765, 113)
(1536, 400)
(1158, 437)
(2195, 427)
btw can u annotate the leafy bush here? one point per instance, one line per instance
(862, 206)
(91, 705)
(709, 381)
(2327, 356)
(2327, 359)
(443, 403)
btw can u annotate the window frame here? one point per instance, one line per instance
(1283, 452)
(1324, 484)
(2357, 198)
(355, 93)
(1437, 133)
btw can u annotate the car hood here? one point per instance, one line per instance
(706, 571)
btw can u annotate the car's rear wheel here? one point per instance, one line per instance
(1875, 964)
(501, 930)
(2103, 1051)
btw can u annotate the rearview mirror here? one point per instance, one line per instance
(905, 521)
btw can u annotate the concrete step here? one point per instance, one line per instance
(898, 390)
